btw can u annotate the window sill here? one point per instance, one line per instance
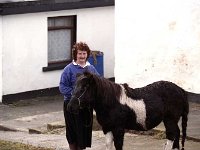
(53, 67)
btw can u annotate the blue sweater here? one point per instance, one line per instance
(68, 77)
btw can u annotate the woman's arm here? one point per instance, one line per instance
(65, 86)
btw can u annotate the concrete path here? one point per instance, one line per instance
(37, 115)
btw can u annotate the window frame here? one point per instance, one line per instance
(57, 65)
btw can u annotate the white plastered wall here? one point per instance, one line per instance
(25, 46)
(158, 40)
(1, 46)
(100, 34)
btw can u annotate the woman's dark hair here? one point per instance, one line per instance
(82, 47)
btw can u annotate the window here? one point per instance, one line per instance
(61, 37)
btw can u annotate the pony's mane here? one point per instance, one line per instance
(132, 93)
(111, 91)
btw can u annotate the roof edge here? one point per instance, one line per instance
(37, 6)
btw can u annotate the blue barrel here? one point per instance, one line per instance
(96, 59)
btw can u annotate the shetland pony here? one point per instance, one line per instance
(119, 107)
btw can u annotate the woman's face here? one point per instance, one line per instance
(81, 57)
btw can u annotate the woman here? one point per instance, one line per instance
(78, 133)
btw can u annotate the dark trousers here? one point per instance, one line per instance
(79, 126)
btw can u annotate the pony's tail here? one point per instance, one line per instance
(184, 121)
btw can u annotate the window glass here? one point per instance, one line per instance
(59, 45)
(61, 36)
(61, 22)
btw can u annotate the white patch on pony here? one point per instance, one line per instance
(169, 145)
(109, 140)
(138, 106)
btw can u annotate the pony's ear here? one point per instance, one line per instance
(87, 74)
(78, 74)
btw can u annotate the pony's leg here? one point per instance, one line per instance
(118, 135)
(171, 132)
(109, 140)
(168, 145)
(176, 141)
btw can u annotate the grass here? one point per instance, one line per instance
(7, 145)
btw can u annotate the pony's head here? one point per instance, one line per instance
(82, 96)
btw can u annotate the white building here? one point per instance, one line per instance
(154, 40)
(36, 39)
(158, 40)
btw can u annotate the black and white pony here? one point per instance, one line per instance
(119, 107)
